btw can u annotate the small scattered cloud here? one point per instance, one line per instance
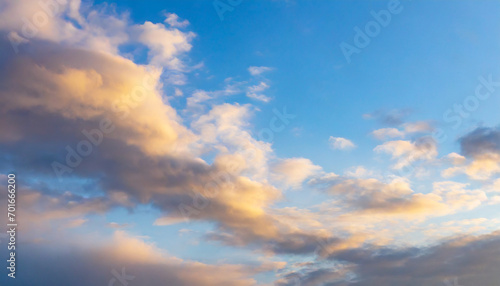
(116, 225)
(418, 127)
(178, 92)
(403, 130)
(340, 143)
(258, 70)
(393, 117)
(387, 133)
(255, 92)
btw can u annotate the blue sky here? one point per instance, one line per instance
(389, 156)
(426, 60)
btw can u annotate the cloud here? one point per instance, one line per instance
(407, 128)
(457, 196)
(385, 133)
(148, 156)
(225, 129)
(407, 152)
(481, 141)
(195, 101)
(471, 260)
(483, 147)
(142, 263)
(391, 118)
(178, 92)
(255, 92)
(81, 88)
(173, 20)
(365, 203)
(358, 172)
(76, 223)
(341, 143)
(258, 70)
(207, 168)
(42, 209)
(117, 225)
(165, 44)
(455, 158)
(294, 171)
(481, 150)
(371, 197)
(418, 127)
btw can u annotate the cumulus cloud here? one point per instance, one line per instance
(147, 156)
(87, 87)
(341, 143)
(165, 44)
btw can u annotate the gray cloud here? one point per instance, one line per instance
(481, 141)
(472, 260)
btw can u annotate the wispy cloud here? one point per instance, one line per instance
(255, 71)
(341, 143)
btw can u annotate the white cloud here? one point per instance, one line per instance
(385, 133)
(457, 196)
(255, 92)
(224, 128)
(258, 70)
(178, 92)
(294, 171)
(173, 20)
(455, 159)
(418, 127)
(407, 128)
(358, 172)
(406, 152)
(165, 44)
(341, 143)
(201, 96)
